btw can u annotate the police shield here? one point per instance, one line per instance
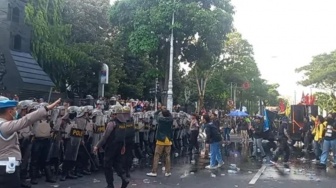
(98, 127)
(72, 141)
(54, 115)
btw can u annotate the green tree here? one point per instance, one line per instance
(145, 28)
(321, 72)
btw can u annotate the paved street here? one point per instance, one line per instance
(250, 174)
(300, 176)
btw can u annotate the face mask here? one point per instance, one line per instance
(15, 116)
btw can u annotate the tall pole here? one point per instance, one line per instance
(156, 92)
(234, 97)
(294, 97)
(103, 90)
(231, 91)
(170, 81)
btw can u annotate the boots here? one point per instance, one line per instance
(49, 176)
(34, 175)
(125, 181)
(25, 184)
(108, 172)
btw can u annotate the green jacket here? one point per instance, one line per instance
(165, 127)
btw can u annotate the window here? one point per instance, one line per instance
(16, 15)
(17, 42)
(9, 12)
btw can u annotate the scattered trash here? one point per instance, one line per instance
(160, 163)
(213, 175)
(55, 185)
(233, 165)
(192, 172)
(222, 174)
(250, 172)
(318, 179)
(184, 175)
(135, 161)
(176, 154)
(232, 172)
(177, 184)
(236, 185)
(134, 184)
(96, 181)
(163, 168)
(146, 181)
(193, 162)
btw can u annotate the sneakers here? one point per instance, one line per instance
(152, 174)
(210, 167)
(220, 164)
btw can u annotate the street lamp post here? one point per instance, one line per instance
(170, 79)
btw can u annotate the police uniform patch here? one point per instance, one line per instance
(99, 129)
(76, 132)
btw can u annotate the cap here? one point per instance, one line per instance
(6, 103)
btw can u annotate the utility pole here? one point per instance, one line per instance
(156, 93)
(170, 80)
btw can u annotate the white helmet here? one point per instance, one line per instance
(82, 110)
(72, 109)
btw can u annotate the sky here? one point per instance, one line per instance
(285, 35)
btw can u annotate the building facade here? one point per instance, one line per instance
(19, 72)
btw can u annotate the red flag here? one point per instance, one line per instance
(282, 105)
(307, 99)
(312, 99)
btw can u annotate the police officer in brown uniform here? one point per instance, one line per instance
(10, 155)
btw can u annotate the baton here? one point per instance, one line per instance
(88, 153)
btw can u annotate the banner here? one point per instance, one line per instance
(266, 121)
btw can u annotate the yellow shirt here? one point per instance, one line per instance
(167, 142)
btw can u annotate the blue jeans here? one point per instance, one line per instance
(327, 146)
(317, 149)
(227, 134)
(215, 154)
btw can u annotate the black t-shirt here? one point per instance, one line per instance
(329, 133)
(258, 129)
(283, 127)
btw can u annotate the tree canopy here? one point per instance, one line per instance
(72, 38)
(321, 72)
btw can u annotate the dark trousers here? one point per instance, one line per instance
(128, 157)
(283, 149)
(39, 158)
(227, 134)
(193, 143)
(9, 180)
(113, 160)
(83, 159)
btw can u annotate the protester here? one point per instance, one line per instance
(164, 141)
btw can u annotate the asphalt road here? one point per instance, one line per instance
(251, 174)
(301, 175)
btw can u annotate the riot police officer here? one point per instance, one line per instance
(40, 150)
(113, 142)
(82, 162)
(72, 141)
(10, 154)
(58, 128)
(25, 138)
